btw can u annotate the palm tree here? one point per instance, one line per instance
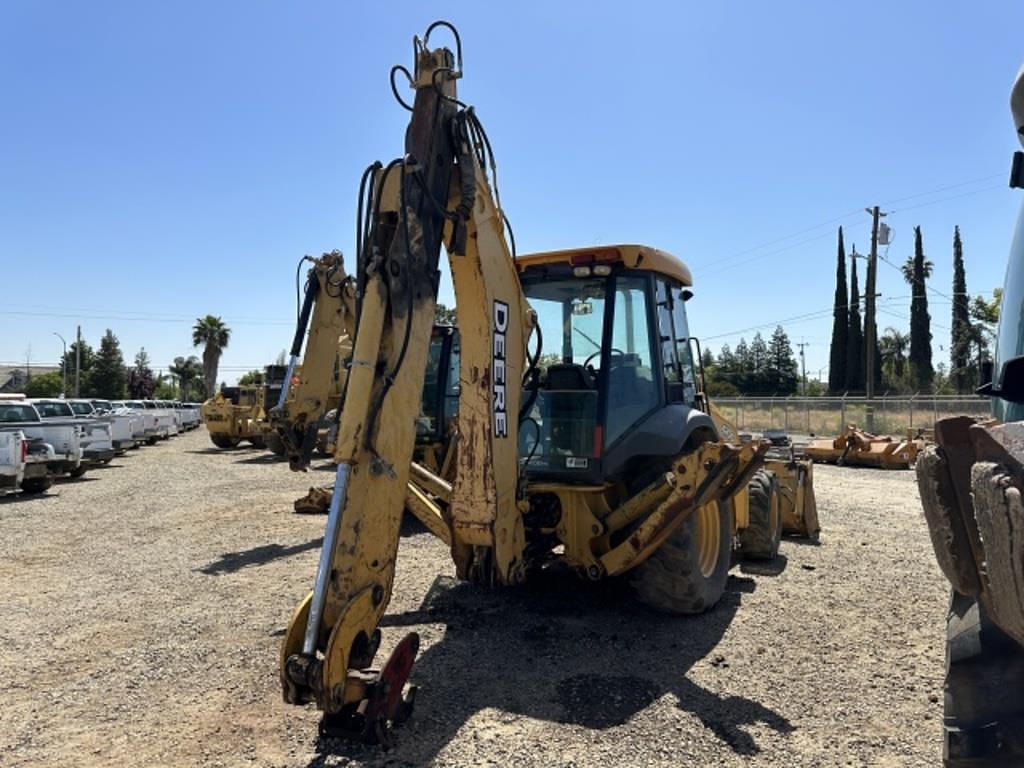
(893, 347)
(186, 371)
(211, 332)
(908, 270)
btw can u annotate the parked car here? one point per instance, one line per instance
(57, 444)
(97, 442)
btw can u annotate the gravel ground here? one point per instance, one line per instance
(143, 608)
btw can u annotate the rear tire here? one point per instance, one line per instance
(35, 485)
(223, 441)
(984, 712)
(688, 572)
(78, 471)
(760, 539)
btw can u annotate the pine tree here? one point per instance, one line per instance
(108, 378)
(141, 383)
(960, 331)
(758, 365)
(855, 338)
(921, 370)
(743, 368)
(781, 369)
(840, 324)
(87, 358)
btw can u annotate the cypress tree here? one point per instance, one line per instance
(960, 331)
(840, 324)
(855, 337)
(921, 369)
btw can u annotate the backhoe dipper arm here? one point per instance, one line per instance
(328, 311)
(333, 635)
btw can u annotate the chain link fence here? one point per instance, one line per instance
(827, 415)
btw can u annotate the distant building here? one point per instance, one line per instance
(14, 379)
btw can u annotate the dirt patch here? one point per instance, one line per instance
(143, 612)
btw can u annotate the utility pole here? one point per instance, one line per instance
(803, 369)
(870, 330)
(78, 364)
(63, 367)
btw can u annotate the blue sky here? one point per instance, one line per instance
(162, 161)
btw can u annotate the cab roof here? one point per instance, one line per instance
(632, 255)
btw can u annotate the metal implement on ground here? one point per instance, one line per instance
(972, 484)
(582, 438)
(857, 448)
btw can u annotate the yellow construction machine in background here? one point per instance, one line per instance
(235, 414)
(855, 447)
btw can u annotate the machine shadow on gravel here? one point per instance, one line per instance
(263, 458)
(563, 651)
(229, 562)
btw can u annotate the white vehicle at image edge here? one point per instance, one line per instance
(97, 443)
(23, 463)
(57, 444)
(13, 453)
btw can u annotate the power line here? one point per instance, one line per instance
(951, 197)
(945, 188)
(850, 214)
(137, 319)
(727, 267)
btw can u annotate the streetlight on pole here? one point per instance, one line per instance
(63, 367)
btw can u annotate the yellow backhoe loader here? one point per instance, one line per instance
(582, 434)
(311, 393)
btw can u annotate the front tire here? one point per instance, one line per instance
(688, 572)
(760, 539)
(224, 441)
(258, 442)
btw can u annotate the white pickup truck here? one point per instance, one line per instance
(58, 445)
(97, 443)
(121, 434)
(163, 422)
(23, 463)
(146, 430)
(167, 408)
(13, 453)
(190, 418)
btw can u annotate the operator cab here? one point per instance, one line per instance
(616, 382)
